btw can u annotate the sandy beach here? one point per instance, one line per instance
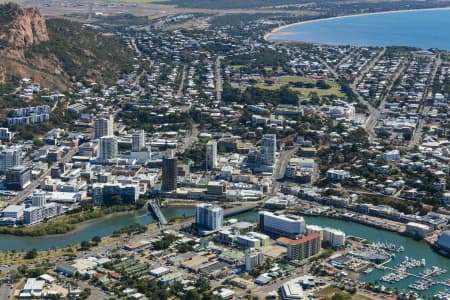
(276, 30)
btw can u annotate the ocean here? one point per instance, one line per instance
(422, 29)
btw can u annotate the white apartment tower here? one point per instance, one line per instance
(209, 216)
(103, 126)
(108, 148)
(269, 148)
(211, 154)
(253, 258)
(138, 141)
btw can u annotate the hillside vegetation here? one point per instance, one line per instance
(56, 52)
(83, 53)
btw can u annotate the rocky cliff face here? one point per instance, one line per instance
(55, 52)
(21, 27)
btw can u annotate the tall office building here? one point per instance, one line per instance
(103, 126)
(18, 177)
(211, 154)
(253, 258)
(269, 148)
(169, 172)
(108, 148)
(9, 158)
(138, 141)
(281, 225)
(209, 216)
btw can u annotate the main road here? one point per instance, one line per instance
(374, 113)
(36, 183)
(218, 79)
(425, 107)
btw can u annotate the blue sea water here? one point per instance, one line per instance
(422, 29)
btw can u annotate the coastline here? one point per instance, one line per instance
(277, 29)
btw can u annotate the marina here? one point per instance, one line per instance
(414, 250)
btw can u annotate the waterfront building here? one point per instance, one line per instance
(103, 126)
(209, 216)
(418, 229)
(329, 236)
(37, 214)
(253, 258)
(103, 192)
(281, 225)
(443, 241)
(302, 248)
(138, 141)
(108, 148)
(211, 154)
(169, 172)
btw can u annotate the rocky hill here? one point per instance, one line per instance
(55, 52)
(21, 27)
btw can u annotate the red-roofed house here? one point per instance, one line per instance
(115, 275)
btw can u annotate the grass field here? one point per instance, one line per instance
(18, 257)
(234, 67)
(280, 81)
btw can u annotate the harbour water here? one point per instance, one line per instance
(412, 249)
(422, 29)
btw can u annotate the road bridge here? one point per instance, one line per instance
(156, 209)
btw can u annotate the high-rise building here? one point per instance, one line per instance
(209, 216)
(332, 237)
(138, 141)
(9, 158)
(269, 148)
(211, 154)
(102, 193)
(253, 258)
(281, 225)
(169, 172)
(302, 248)
(18, 177)
(108, 148)
(103, 126)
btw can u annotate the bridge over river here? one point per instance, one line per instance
(228, 212)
